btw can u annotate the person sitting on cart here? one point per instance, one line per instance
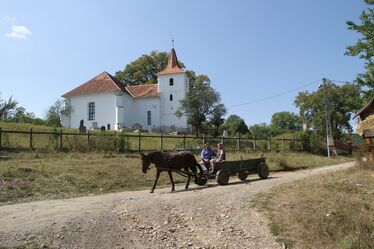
(221, 156)
(206, 156)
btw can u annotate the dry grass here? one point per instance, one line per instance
(33, 176)
(329, 211)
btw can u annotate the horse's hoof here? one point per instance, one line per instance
(151, 191)
(172, 190)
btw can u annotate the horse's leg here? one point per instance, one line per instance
(188, 182)
(171, 180)
(156, 179)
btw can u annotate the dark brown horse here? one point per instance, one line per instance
(170, 161)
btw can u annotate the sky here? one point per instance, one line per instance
(250, 49)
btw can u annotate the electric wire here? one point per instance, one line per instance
(276, 95)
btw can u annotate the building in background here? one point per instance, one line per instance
(105, 101)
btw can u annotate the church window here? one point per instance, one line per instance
(171, 82)
(149, 117)
(171, 97)
(91, 111)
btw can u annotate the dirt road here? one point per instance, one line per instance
(203, 217)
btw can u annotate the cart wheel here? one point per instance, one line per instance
(242, 175)
(222, 177)
(263, 171)
(200, 180)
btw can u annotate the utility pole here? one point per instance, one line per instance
(329, 137)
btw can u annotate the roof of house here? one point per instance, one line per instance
(103, 82)
(143, 91)
(363, 109)
(173, 65)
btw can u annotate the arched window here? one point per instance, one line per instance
(171, 82)
(149, 117)
(171, 97)
(91, 111)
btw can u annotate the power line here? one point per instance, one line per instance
(276, 95)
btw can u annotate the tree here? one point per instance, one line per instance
(235, 124)
(364, 48)
(144, 70)
(282, 122)
(217, 118)
(343, 101)
(56, 112)
(202, 102)
(260, 131)
(22, 116)
(7, 108)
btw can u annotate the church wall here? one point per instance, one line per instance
(105, 107)
(140, 109)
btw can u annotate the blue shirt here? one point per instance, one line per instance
(207, 154)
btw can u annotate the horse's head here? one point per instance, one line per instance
(145, 162)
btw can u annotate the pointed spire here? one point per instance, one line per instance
(172, 66)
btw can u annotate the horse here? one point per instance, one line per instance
(170, 161)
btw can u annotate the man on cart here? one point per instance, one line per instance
(207, 154)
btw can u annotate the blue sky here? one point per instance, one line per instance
(249, 49)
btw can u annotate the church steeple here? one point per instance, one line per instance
(172, 66)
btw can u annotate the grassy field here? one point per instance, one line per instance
(34, 176)
(330, 211)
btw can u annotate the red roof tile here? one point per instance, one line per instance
(104, 82)
(143, 91)
(172, 66)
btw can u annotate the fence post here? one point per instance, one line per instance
(238, 142)
(294, 143)
(184, 141)
(88, 139)
(30, 138)
(269, 148)
(60, 139)
(203, 138)
(283, 144)
(254, 143)
(1, 134)
(161, 142)
(139, 142)
(223, 140)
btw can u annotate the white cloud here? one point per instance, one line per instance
(19, 32)
(9, 19)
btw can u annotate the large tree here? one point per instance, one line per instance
(202, 102)
(7, 108)
(260, 131)
(282, 122)
(144, 70)
(55, 113)
(235, 124)
(342, 102)
(364, 48)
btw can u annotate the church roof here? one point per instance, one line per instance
(172, 66)
(103, 82)
(143, 91)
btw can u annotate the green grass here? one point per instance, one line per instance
(328, 211)
(33, 176)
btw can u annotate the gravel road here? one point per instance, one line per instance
(203, 217)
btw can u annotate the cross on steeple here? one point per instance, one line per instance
(172, 41)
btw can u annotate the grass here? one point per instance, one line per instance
(329, 211)
(34, 176)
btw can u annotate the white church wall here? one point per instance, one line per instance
(105, 109)
(140, 112)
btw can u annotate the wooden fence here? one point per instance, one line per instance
(59, 140)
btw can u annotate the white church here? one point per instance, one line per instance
(105, 101)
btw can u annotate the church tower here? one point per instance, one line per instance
(173, 86)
